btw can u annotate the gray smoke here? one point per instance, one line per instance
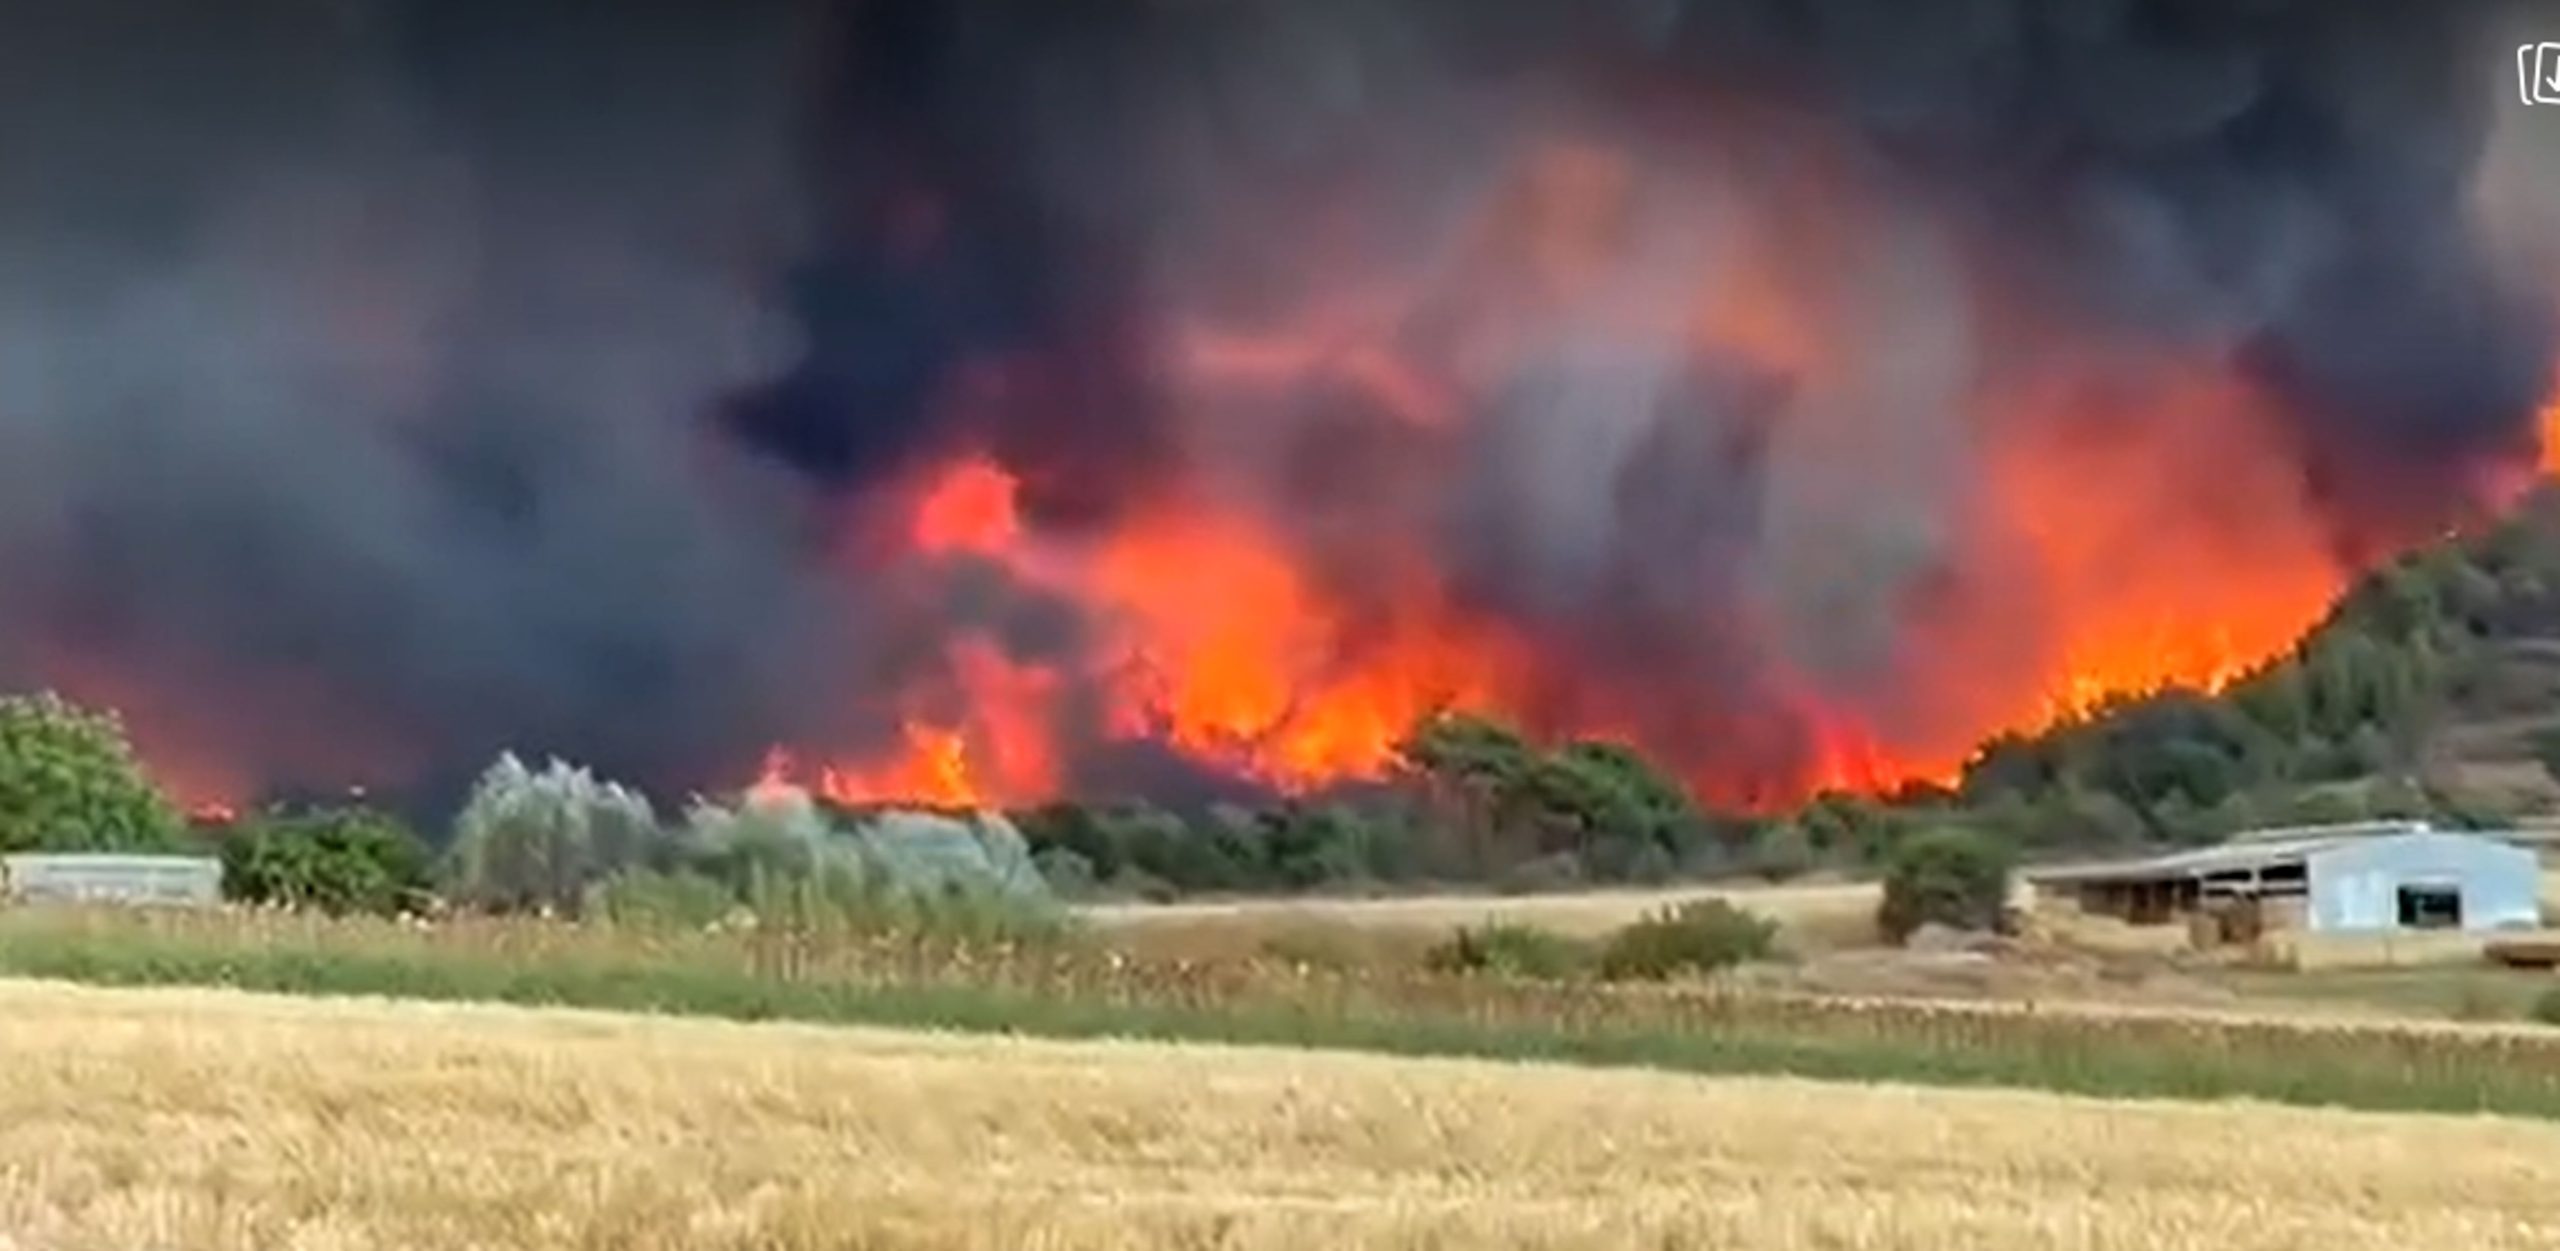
(345, 353)
(356, 357)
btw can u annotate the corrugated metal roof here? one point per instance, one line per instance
(2334, 829)
(2228, 858)
(2254, 849)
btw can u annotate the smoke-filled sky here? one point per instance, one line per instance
(387, 382)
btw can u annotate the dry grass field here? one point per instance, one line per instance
(1584, 913)
(1811, 917)
(184, 1119)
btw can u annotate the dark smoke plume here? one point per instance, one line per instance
(384, 382)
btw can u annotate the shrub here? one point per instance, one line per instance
(1781, 852)
(69, 782)
(1508, 949)
(529, 840)
(1067, 872)
(1701, 936)
(1948, 876)
(772, 831)
(1305, 848)
(336, 860)
(1078, 830)
(1133, 882)
(929, 854)
(2546, 1007)
(647, 897)
(796, 863)
(1549, 874)
(1629, 860)
(1333, 946)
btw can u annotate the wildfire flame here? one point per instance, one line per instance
(2140, 535)
(1221, 648)
(2547, 426)
(1567, 377)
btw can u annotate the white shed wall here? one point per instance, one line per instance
(2356, 886)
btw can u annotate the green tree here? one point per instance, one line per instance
(335, 860)
(1157, 850)
(1842, 826)
(69, 781)
(1636, 824)
(1477, 769)
(1077, 830)
(1945, 876)
(1462, 746)
(1310, 846)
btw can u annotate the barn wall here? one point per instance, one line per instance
(2356, 887)
(93, 877)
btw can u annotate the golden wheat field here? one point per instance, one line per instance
(197, 1119)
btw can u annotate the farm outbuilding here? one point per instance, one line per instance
(90, 877)
(2325, 880)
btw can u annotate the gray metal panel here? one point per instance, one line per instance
(70, 877)
(2355, 887)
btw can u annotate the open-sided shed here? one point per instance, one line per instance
(2342, 880)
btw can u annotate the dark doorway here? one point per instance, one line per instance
(2431, 907)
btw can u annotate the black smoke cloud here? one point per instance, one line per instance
(465, 370)
(348, 374)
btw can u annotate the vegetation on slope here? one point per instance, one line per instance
(2421, 676)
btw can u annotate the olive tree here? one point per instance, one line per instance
(529, 841)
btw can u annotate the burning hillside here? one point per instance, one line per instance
(1154, 391)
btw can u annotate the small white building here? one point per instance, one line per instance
(97, 877)
(2339, 880)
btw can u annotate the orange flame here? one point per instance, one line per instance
(2171, 541)
(2547, 427)
(991, 746)
(2124, 534)
(1223, 648)
(970, 508)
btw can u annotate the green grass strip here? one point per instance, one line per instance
(2437, 1075)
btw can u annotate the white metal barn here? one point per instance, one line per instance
(2347, 879)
